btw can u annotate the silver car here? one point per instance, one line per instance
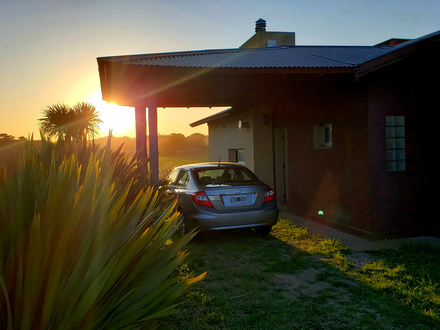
(213, 196)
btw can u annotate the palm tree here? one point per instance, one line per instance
(70, 123)
(55, 122)
(86, 122)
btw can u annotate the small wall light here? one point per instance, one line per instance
(242, 124)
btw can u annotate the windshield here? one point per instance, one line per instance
(224, 176)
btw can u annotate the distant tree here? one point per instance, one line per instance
(169, 145)
(70, 123)
(197, 141)
(6, 137)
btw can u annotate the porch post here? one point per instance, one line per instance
(140, 115)
(152, 133)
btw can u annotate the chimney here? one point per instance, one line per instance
(263, 38)
(260, 25)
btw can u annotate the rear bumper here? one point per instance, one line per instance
(208, 219)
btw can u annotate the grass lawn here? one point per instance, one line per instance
(292, 279)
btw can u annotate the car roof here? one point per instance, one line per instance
(210, 165)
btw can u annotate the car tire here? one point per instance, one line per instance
(263, 230)
(183, 229)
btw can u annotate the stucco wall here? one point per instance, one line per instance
(255, 139)
(224, 135)
(263, 143)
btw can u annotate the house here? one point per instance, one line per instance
(341, 132)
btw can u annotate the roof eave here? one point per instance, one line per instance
(218, 115)
(401, 52)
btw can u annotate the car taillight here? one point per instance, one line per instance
(269, 195)
(200, 198)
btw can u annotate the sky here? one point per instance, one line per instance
(48, 48)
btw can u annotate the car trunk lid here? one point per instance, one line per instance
(229, 197)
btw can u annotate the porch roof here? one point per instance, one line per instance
(224, 77)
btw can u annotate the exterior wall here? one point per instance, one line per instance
(333, 181)
(255, 139)
(263, 144)
(261, 38)
(224, 135)
(348, 185)
(403, 200)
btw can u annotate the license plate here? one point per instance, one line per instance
(238, 199)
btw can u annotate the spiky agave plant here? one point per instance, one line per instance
(75, 254)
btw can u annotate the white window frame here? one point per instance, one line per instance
(323, 136)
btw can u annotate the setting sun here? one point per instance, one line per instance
(170, 120)
(119, 119)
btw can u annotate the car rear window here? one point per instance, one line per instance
(224, 176)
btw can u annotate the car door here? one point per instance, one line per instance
(177, 186)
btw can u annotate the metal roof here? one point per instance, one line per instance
(218, 115)
(406, 44)
(268, 57)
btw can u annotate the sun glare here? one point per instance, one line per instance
(116, 118)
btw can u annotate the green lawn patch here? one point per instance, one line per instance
(293, 279)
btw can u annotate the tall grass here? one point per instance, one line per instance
(84, 242)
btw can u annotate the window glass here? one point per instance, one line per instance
(172, 177)
(224, 176)
(240, 156)
(183, 179)
(395, 143)
(237, 156)
(327, 134)
(322, 136)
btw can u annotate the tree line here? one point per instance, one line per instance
(80, 123)
(4, 137)
(170, 145)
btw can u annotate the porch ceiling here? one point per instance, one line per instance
(131, 85)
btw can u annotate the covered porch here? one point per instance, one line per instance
(138, 81)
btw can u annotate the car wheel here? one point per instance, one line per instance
(181, 230)
(182, 227)
(263, 230)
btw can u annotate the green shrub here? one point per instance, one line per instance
(84, 242)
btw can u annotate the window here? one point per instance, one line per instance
(224, 175)
(240, 156)
(326, 134)
(237, 156)
(395, 143)
(172, 177)
(183, 179)
(322, 136)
